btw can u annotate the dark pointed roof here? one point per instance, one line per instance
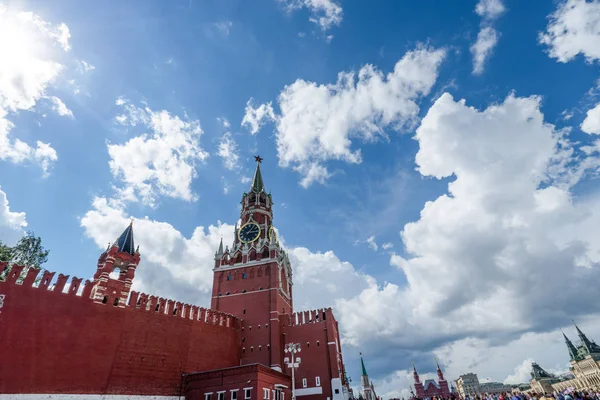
(538, 372)
(581, 334)
(257, 182)
(571, 347)
(125, 242)
(587, 346)
(362, 363)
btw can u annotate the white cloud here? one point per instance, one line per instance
(482, 49)
(486, 243)
(254, 118)
(318, 122)
(521, 373)
(224, 122)
(161, 162)
(321, 279)
(487, 38)
(59, 107)
(29, 66)
(17, 151)
(12, 224)
(591, 123)
(490, 9)
(387, 245)
(573, 29)
(228, 150)
(372, 244)
(224, 27)
(324, 13)
(84, 66)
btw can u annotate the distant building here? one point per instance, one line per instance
(521, 387)
(367, 390)
(430, 387)
(585, 365)
(494, 387)
(467, 384)
(541, 381)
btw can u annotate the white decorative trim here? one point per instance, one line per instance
(252, 263)
(309, 391)
(2, 297)
(238, 294)
(254, 291)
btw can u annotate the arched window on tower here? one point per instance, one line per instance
(244, 276)
(251, 273)
(252, 256)
(265, 253)
(229, 277)
(259, 272)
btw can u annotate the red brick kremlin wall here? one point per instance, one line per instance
(55, 342)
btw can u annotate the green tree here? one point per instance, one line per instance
(28, 252)
(5, 252)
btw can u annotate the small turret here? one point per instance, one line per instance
(123, 256)
(415, 374)
(440, 374)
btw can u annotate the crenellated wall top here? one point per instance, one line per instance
(20, 277)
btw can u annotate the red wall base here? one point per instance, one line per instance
(64, 343)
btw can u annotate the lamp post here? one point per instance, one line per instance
(292, 348)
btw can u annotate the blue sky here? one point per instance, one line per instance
(379, 155)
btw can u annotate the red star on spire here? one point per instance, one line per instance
(258, 159)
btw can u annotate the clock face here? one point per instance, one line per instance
(249, 232)
(272, 234)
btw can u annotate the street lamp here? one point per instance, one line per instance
(292, 348)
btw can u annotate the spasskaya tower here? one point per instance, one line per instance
(253, 278)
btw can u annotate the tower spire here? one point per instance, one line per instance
(362, 363)
(416, 375)
(440, 374)
(257, 182)
(220, 246)
(570, 347)
(588, 345)
(124, 243)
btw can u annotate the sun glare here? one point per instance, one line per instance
(29, 48)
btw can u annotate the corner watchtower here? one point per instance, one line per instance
(120, 256)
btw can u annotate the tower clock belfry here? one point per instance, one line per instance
(253, 278)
